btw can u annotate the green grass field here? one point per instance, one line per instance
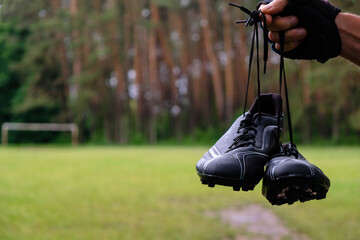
(151, 193)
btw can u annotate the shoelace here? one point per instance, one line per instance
(247, 129)
(287, 150)
(253, 20)
(290, 149)
(247, 132)
(245, 138)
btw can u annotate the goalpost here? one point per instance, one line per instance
(60, 127)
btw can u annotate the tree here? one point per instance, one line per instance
(151, 70)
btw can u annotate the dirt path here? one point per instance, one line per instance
(256, 223)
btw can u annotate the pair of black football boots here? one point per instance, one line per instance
(253, 143)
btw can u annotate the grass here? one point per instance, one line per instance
(153, 193)
(338, 216)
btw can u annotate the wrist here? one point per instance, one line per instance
(349, 27)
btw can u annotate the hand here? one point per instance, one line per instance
(293, 35)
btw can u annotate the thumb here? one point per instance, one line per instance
(275, 7)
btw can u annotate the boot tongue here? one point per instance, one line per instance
(269, 104)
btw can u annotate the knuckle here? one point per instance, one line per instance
(273, 36)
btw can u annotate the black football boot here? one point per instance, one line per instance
(238, 158)
(289, 177)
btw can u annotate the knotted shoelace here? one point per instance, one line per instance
(254, 20)
(290, 150)
(247, 129)
(247, 132)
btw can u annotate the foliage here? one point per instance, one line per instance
(157, 70)
(11, 51)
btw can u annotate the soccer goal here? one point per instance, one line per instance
(59, 127)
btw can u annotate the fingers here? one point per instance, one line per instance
(275, 7)
(282, 23)
(292, 38)
(288, 46)
(278, 23)
(269, 18)
(296, 34)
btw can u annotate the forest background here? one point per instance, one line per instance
(150, 71)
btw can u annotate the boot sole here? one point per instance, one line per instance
(237, 185)
(290, 189)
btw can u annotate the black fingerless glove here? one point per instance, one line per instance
(318, 18)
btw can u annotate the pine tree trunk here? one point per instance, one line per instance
(131, 7)
(64, 66)
(153, 76)
(185, 63)
(229, 75)
(121, 94)
(203, 90)
(163, 40)
(77, 65)
(242, 69)
(77, 60)
(210, 52)
(303, 68)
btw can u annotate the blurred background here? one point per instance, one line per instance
(155, 71)
(166, 72)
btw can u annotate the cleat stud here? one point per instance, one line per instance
(321, 195)
(236, 188)
(211, 185)
(204, 182)
(247, 188)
